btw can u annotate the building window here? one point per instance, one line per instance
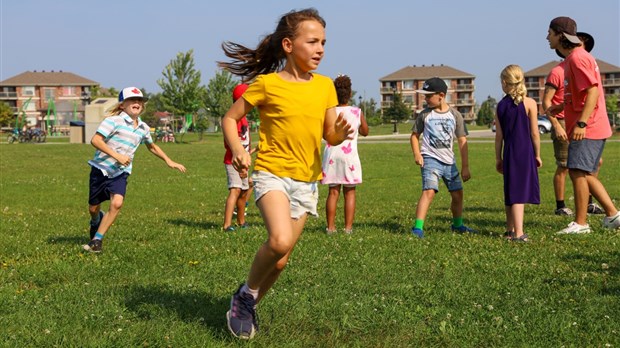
(408, 84)
(408, 99)
(68, 91)
(28, 91)
(49, 93)
(31, 107)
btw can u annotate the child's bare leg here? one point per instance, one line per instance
(233, 195)
(349, 207)
(456, 206)
(241, 207)
(116, 203)
(330, 206)
(94, 210)
(517, 214)
(424, 203)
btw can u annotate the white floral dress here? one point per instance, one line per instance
(341, 163)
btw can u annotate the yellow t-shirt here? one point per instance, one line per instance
(291, 124)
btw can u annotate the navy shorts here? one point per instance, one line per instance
(585, 154)
(101, 186)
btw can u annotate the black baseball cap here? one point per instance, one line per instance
(587, 41)
(433, 85)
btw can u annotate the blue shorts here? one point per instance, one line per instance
(101, 186)
(585, 154)
(434, 169)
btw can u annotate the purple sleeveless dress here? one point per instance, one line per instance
(520, 172)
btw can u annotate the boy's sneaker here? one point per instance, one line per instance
(594, 208)
(612, 222)
(94, 227)
(463, 229)
(417, 232)
(575, 228)
(94, 246)
(564, 211)
(229, 229)
(241, 317)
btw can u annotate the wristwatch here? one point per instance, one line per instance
(581, 124)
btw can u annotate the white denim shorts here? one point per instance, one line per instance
(303, 196)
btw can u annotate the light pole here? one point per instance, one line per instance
(360, 103)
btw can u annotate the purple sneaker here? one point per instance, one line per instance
(241, 317)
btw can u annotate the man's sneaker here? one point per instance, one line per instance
(417, 232)
(575, 228)
(241, 317)
(463, 229)
(564, 211)
(612, 222)
(594, 208)
(94, 246)
(94, 227)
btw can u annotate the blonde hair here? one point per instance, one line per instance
(512, 77)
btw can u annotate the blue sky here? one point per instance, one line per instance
(123, 43)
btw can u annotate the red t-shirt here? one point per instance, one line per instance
(555, 79)
(243, 130)
(580, 73)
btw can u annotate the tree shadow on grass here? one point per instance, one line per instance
(605, 265)
(190, 306)
(204, 225)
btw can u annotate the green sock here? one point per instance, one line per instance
(419, 223)
(457, 221)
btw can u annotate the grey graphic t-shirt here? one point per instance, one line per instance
(437, 131)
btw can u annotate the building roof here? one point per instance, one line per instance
(543, 70)
(425, 72)
(51, 78)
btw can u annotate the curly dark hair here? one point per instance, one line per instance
(343, 88)
(268, 55)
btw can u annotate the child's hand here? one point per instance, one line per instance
(124, 160)
(465, 174)
(343, 128)
(499, 166)
(538, 162)
(241, 161)
(419, 160)
(178, 166)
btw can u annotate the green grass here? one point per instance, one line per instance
(167, 270)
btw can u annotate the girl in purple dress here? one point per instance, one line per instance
(517, 150)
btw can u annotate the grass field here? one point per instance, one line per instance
(167, 270)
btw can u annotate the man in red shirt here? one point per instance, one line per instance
(587, 125)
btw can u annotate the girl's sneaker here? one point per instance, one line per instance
(612, 222)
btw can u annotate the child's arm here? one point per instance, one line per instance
(157, 151)
(532, 113)
(499, 142)
(336, 129)
(241, 159)
(415, 148)
(548, 94)
(463, 149)
(98, 141)
(363, 124)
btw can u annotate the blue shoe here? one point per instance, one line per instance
(463, 229)
(229, 229)
(244, 225)
(241, 318)
(417, 232)
(95, 227)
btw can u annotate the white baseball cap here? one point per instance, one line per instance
(131, 92)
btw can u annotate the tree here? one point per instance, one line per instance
(372, 114)
(181, 90)
(612, 109)
(153, 105)
(7, 117)
(398, 111)
(486, 113)
(218, 97)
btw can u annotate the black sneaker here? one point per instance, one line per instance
(593, 208)
(94, 246)
(241, 317)
(95, 227)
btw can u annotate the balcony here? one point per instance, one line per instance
(611, 82)
(465, 101)
(532, 85)
(465, 87)
(8, 95)
(387, 90)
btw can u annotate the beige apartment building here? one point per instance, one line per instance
(406, 80)
(535, 80)
(38, 93)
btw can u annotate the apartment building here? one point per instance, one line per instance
(535, 80)
(39, 93)
(406, 80)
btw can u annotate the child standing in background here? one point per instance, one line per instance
(517, 150)
(238, 188)
(116, 141)
(341, 163)
(438, 124)
(296, 108)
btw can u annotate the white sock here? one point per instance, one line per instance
(247, 289)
